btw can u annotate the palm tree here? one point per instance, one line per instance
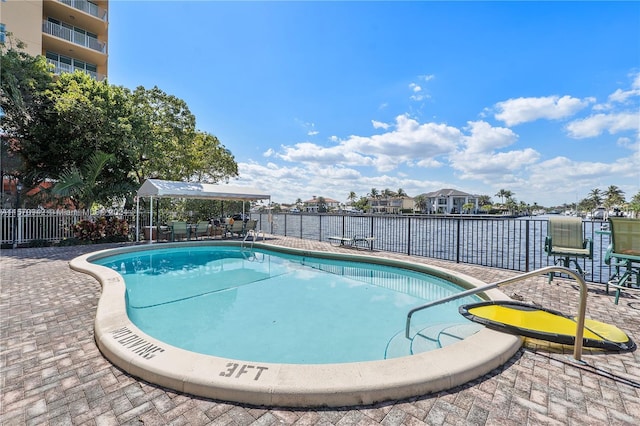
(634, 205)
(421, 203)
(322, 205)
(401, 193)
(83, 186)
(484, 200)
(614, 196)
(504, 193)
(387, 193)
(511, 205)
(595, 197)
(351, 197)
(374, 193)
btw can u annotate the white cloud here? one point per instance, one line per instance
(596, 124)
(418, 93)
(480, 159)
(523, 110)
(489, 167)
(484, 137)
(410, 142)
(623, 96)
(379, 125)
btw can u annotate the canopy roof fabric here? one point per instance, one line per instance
(167, 188)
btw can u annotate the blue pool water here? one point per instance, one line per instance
(272, 307)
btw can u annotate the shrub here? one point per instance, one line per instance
(103, 229)
(39, 243)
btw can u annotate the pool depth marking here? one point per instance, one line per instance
(135, 343)
(244, 369)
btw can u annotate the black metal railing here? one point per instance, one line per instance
(507, 243)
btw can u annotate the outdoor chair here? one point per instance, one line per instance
(623, 254)
(202, 229)
(237, 227)
(179, 230)
(566, 243)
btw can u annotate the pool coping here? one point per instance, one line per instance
(288, 385)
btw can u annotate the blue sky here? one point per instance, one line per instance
(324, 98)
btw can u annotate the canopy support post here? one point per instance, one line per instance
(151, 219)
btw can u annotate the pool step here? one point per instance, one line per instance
(434, 336)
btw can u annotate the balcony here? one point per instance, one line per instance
(73, 36)
(87, 7)
(59, 68)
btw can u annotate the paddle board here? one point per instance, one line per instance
(545, 324)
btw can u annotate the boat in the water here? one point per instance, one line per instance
(545, 324)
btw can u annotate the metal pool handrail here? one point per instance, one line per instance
(577, 347)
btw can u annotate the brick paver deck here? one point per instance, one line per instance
(53, 373)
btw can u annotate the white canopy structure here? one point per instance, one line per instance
(173, 189)
(167, 188)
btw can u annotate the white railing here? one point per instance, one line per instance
(88, 7)
(47, 225)
(60, 67)
(73, 36)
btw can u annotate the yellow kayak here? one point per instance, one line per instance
(545, 324)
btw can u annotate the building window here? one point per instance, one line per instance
(66, 64)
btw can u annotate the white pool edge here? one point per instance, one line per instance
(288, 385)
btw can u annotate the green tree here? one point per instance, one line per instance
(614, 197)
(486, 208)
(511, 205)
(75, 117)
(504, 193)
(352, 197)
(484, 200)
(421, 203)
(595, 197)
(634, 205)
(167, 145)
(84, 186)
(322, 205)
(210, 160)
(374, 193)
(23, 81)
(401, 193)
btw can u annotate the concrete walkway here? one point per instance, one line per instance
(52, 372)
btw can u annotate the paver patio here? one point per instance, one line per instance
(53, 373)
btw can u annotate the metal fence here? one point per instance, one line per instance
(508, 243)
(25, 226)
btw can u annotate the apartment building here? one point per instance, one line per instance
(71, 34)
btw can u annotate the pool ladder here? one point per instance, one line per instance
(577, 348)
(254, 236)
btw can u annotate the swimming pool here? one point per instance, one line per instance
(265, 306)
(278, 381)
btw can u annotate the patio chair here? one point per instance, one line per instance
(179, 230)
(237, 227)
(566, 243)
(251, 225)
(623, 253)
(202, 229)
